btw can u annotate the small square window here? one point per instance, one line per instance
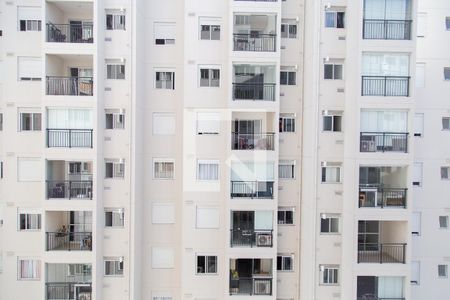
(443, 222)
(29, 121)
(209, 77)
(329, 224)
(332, 123)
(113, 266)
(443, 271)
(334, 19)
(446, 123)
(114, 217)
(329, 275)
(288, 78)
(331, 174)
(286, 216)
(285, 263)
(333, 71)
(206, 264)
(447, 23)
(447, 73)
(287, 122)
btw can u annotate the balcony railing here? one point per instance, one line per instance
(386, 86)
(69, 138)
(251, 238)
(373, 297)
(69, 189)
(69, 86)
(254, 42)
(254, 91)
(68, 291)
(379, 29)
(70, 33)
(251, 286)
(258, 0)
(382, 197)
(69, 241)
(388, 253)
(253, 141)
(252, 189)
(383, 142)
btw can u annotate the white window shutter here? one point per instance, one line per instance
(163, 257)
(29, 169)
(29, 67)
(415, 272)
(28, 12)
(417, 173)
(163, 213)
(163, 123)
(418, 124)
(416, 223)
(165, 31)
(421, 24)
(420, 75)
(207, 218)
(208, 123)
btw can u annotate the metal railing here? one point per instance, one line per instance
(251, 238)
(69, 241)
(384, 142)
(252, 189)
(254, 42)
(258, 0)
(253, 141)
(379, 29)
(70, 86)
(70, 33)
(386, 86)
(251, 286)
(382, 197)
(373, 297)
(254, 91)
(69, 189)
(68, 290)
(387, 253)
(70, 138)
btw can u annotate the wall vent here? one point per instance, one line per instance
(108, 39)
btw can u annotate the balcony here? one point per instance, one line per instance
(70, 33)
(255, 141)
(385, 86)
(382, 242)
(69, 180)
(254, 42)
(254, 83)
(251, 238)
(68, 282)
(254, 33)
(381, 29)
(251, 229)
(380, 288)
(384, 142)
(252, 189)
(69, 138)
(69, 86)
(251, 277)
(69, 241)
(382, 197)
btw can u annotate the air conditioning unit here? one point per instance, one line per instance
(262, 287)
(368, 146)
(263, 239)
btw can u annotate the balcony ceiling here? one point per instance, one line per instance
(81, 8)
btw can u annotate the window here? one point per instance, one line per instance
(1, 121)
(385, 64)
(1, 170)
(165, 80)
(443, 271)
(29, 121)
(286, 169)
(416, 223)
(163, 258)
(113, 266)
(446, 123)
(161, 298)
(29, 68)
(420, 75)
(163, 213)
(115, 118)
(285, 262)
(29, 18)
(443, 222)
(115, 70)
(422, 21)
(208, 122)
(29, 269)
(331, 174)
(114, 217)
(289, 28)
(163, 169)
(164, 33)
(207, 170)
(333, 71)
(115, 19)
(447, 23)
(209, 77)
(29, 221)
(332, 121)
(288, 78)
(415, 272)
(70, 118)
(285, 215)
(287, 122)
(334, 19)
(163, 123)
(447, 73)
(445, 173)
(114, 168)
(329, 223)
(418, 124)
(417, 174)
(209, 29)
(329, 275)
(206, 264)
(29, 169)
(207, 218)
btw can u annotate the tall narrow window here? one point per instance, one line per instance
(443, 222)
(422, 21)
(442, 271)
(417, 174)
(445, 173)
(418, 124)
(415, 272)
(114, 168)
(115, 118)
(115, 19)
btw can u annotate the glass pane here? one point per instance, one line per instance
(328, 71)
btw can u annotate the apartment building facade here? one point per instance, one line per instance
(212, 150)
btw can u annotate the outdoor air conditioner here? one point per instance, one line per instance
(263, 239)
(262, 287)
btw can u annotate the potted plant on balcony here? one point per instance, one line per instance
(234, 282)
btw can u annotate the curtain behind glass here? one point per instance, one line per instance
(390, 287)
(69, 119)
(384, 121)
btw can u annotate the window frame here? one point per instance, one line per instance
(117, 118)
(212, 23)
(325, 168)
(445, 172)
(283, 126)
(336, 118)
(330, 218)
(334, 66)
(289, 74)
(163, 161)
(117, 266)
(36, 265)
(206, 258)
(291, 163)
(164, 83)
(284, 212)
(447, 120)
(286, 25)
(335, 19)
(327, 269)
(28, 222)
(211, 71)
(35, 120)
(207, 162)
(115, 70)
(118, 168)
(114, 211)
(283, 258)
(443, 218)
(118, 19)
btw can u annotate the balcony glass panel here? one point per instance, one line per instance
(256, 83)
(254, 33)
